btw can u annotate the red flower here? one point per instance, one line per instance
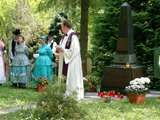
(82, 63)
(89, 81)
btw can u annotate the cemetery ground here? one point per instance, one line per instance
(117, 109)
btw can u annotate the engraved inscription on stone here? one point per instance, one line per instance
(122, 44)
(121, 58)
(116, 77)
(137, 73)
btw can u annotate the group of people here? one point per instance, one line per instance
(69, 60)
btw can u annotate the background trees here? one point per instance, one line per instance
(146, 33)
(35, 16)
(29, 24)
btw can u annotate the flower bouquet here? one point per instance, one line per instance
(41, 82)
(126, 66)
(137, 90)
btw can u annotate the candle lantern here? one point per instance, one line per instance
(121, 96)
(127, 65)
(99, 93)
(118, 95)
(113, 94)
(109, 94)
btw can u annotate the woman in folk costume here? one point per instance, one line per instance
(2, 65)
(20, 70)
(43, 64)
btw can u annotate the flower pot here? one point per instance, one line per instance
(136, 98)
(92, 88)
(40, 88)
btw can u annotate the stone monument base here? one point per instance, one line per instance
(124, 58)
(117, 78)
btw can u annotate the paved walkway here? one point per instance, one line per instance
(94, 95)
(5, 111)
(88, 96)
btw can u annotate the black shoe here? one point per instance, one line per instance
(14, 84)
(22, 85)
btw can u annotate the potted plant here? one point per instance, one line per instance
(41, 82)
(87, 84)
(137, 91)
(95, 82)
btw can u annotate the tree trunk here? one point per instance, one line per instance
(84, 32)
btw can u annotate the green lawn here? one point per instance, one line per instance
(14, 97)
(97, 110)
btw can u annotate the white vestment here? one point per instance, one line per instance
(72, 57)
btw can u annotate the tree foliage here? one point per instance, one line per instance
(29, 24)
(23, 14)
(55, 26)
(5, 25)
(145, 19)
(78, 11)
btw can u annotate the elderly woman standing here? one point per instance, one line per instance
(43, 64)
(20, 70)
(2, 65)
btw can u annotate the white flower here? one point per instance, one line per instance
(133, 82)
(136, 79)
(147, 80)
(141, 81)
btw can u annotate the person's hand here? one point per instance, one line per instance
(57, 49)
(60, 49)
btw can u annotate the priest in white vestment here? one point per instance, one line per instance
(70, 63)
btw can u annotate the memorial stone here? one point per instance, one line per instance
(115, 77)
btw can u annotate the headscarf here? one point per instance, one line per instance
(44, 38)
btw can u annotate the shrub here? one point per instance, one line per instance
(55, 104)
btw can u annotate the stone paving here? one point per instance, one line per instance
(94, 95)
(88, 96)
(5, 111)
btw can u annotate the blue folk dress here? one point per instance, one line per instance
(43, 64)
(20, 69)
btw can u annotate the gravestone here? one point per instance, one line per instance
(115, 77)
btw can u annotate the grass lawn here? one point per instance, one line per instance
(15, 97)
(97, 110)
